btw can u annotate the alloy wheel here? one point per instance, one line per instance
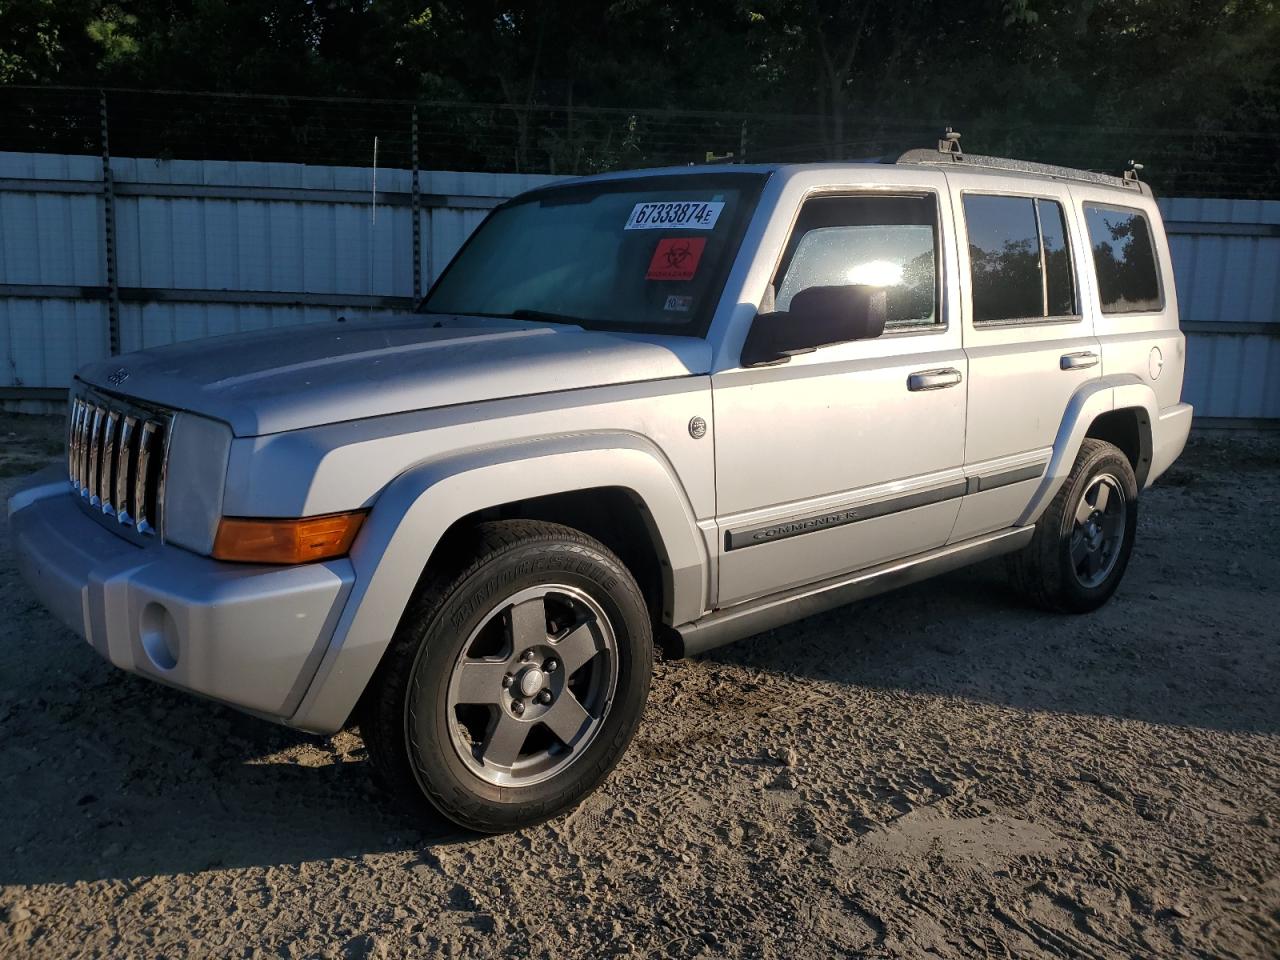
(1097, 533)
(532, 685)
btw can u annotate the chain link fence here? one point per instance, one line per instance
(568, 140)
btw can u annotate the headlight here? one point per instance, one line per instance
(196, 472)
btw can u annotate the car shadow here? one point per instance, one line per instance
(138, 780)
(1152, 654)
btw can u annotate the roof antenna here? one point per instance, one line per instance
(950, 143)
(1131, 174)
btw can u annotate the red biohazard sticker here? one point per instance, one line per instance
(676, 258)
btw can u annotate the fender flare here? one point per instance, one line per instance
(413, 512)
(1117, 392)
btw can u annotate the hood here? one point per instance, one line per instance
(289, 378)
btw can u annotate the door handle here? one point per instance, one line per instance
(1078, 361)
(934, 379)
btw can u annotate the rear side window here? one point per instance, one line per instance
(1060, 288)
(1124, 260)
(1019, 259)
(888, 242)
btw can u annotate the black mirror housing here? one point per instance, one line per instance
(819, 317)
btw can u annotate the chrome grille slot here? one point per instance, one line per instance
(116, 455)
(95, 442)
(123, 468)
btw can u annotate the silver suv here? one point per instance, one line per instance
(678, 405)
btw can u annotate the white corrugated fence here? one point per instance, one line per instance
(208, 247)
(1226, 262)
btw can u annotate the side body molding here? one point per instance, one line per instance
(414, 511)
(1116, 392)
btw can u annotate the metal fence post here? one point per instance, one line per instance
(415, 204)
(109, 232)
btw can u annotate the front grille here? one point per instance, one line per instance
(116, 460)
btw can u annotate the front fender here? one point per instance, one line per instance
(1118, 392)
(414, 511)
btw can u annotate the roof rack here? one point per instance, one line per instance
(948, 153)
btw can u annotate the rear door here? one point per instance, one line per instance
(1029, 343)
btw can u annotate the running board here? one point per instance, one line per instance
(756, 616)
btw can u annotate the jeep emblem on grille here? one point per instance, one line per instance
(118, 377)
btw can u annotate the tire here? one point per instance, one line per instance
(515, 587)
(1059, 569)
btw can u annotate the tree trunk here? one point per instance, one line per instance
(837, 67)
(837, 117)
(523, 111)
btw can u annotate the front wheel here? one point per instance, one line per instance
(1081, 547)
(514, 684)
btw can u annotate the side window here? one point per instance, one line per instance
(1019, 259)
(1124, 260)
(1059, 284)
(888, 242)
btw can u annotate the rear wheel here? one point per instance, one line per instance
(1082, 543)
(514, 684)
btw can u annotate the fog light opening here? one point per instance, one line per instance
(159, 636)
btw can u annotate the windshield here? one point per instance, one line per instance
(644, 254)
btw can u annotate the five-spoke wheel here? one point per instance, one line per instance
(1082, 541)
(532, 684)
(516, 679)
(1099, 530)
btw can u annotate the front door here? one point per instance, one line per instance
(850, 455)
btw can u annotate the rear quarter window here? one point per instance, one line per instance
(1123, 259)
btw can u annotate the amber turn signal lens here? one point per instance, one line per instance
(286, 541)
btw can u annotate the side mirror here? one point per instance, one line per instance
(819, 316)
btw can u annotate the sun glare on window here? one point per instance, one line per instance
(876, 273)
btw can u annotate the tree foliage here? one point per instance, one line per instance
(1012, 68)
(1184, 62)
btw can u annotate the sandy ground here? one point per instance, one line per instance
(940, 772)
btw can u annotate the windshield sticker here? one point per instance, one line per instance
(676, 258)
(675, 214)
(678, 303)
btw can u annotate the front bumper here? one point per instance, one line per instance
(249, 636)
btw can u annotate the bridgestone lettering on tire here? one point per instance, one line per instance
(516, 679)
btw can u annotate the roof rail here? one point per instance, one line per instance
(948, 153)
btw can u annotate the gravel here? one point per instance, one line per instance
(938, 772)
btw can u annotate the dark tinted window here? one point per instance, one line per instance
(1004, 257)
(1124, 260)
(887, 242)
(1019, 258)
(1060, 289)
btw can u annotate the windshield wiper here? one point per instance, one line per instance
(545, 317)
